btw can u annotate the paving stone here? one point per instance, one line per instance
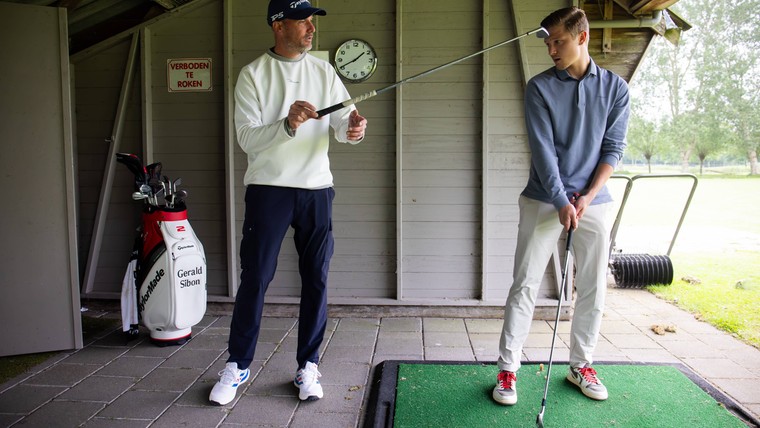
(401, 324)
(619, 327)
(332, 420)
(63, 375)
(99, 388)
(358, 324)
(379, 358)
(687, 349)
(169, 379)
(62, 414)
(539, 340)
(348, 354)
(485, 342)
(139, 405)
(192, 358)
(447, 339)
(148, 349)
(631, 341)
(724, 342)
(136, 367)
(275, 383)
(197, 394)
(742, 390)
(353, 338)
(338, 373)
(561, 353)
(272, 335)
(7, 420)
(184, 416)
(475, 326)
(23, 398)
(94, 355)
(409, 346)
(117, 339)
(443, 324)
(449, 354)
(718, 368)
(208, 341)
(98, 422)
(337, 399)
(257, 410)
(650, 356)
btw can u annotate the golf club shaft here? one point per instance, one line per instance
(371, 94)
(569, 240)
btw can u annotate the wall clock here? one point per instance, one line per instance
(355, 60)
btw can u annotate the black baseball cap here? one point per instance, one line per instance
(291, 9)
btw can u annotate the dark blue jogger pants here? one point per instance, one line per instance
(269, 212)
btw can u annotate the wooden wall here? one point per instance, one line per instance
(426, 206)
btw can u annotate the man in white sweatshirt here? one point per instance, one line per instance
(288, 184)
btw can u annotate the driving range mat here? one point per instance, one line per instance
(441, 394)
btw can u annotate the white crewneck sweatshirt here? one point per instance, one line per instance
(265, 90)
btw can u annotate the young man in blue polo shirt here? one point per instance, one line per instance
(576, 115)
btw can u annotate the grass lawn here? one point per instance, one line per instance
(718, 246)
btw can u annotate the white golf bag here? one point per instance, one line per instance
(164, 288)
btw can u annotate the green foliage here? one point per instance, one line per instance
(708, 83)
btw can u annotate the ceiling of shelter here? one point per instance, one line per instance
(621, 29)
(92, 21)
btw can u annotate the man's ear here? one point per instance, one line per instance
(582, 37)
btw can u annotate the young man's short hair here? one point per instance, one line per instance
(573, 19)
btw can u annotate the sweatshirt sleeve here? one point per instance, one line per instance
(252, 134)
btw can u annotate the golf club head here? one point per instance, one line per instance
(540, 420)
(542, 33)
(145, 189)
(134, 164)
(137, 196)
(154, 170)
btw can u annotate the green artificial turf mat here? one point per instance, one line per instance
(459, 395)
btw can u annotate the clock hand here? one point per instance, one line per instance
(353, 60)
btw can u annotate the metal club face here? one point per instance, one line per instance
(542, 33)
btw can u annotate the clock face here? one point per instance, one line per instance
(355, 60)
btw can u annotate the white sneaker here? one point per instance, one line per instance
(224, 391)
(307, 382)
(505, 391)
(585, 378)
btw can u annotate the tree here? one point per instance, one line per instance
(728, 68)
(709, 81)
(643, 139)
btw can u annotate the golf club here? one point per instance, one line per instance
(563, 284)
(540, 32)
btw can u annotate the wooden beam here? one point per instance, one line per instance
(607, 32)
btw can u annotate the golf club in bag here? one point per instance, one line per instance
(164, 287)
(562, 288)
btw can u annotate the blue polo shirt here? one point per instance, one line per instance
(573, 126)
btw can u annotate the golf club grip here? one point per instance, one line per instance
(569, 239)
(346, 103)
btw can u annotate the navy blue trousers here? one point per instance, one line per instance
(269, 212)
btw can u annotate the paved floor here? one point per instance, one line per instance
(110, 384)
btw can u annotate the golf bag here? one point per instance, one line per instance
(165, 284)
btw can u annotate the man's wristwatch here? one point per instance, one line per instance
(288, 129)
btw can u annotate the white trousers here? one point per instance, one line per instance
(538, 233)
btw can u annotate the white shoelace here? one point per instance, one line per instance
(309, 374)
(229, 376)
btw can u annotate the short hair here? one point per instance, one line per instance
(573, 19)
